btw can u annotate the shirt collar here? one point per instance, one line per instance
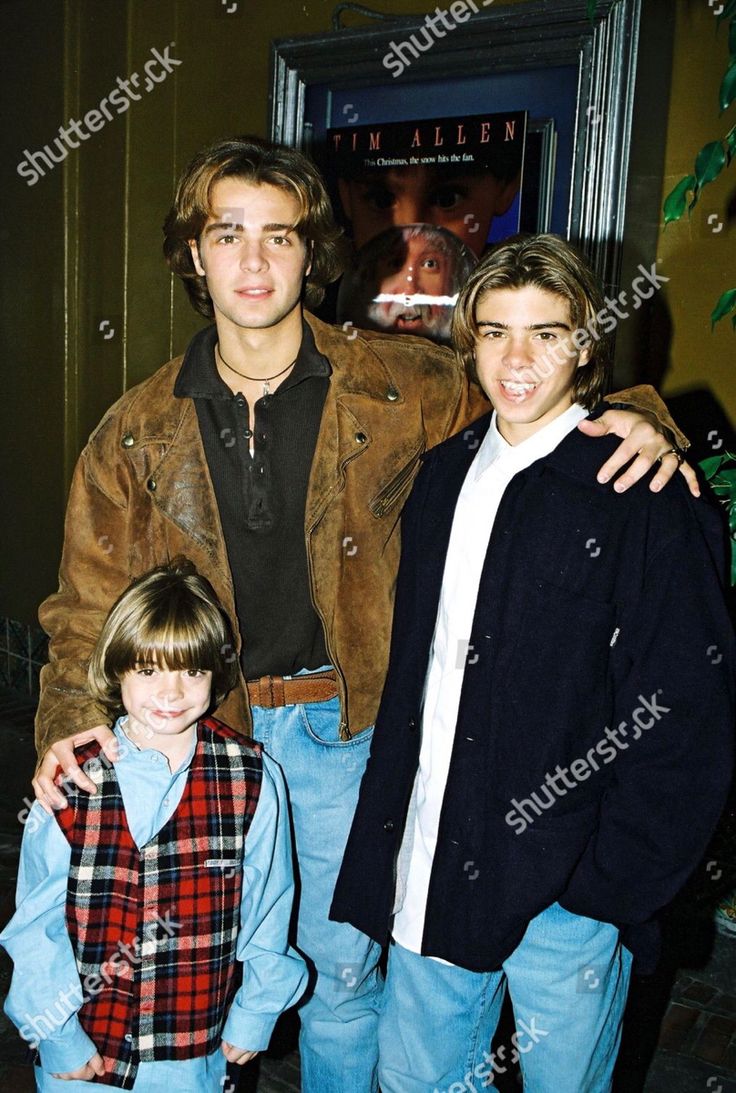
(130, 752)
(199, 378)
(509, 459)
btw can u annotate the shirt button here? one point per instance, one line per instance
(412, 724)
(151, 484)
(128, 440)
(128, 1037)
(392, 394)
(240, 401)
(388, 825)
(247, 434)
(360, 438)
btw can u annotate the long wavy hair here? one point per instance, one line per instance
(255, 161)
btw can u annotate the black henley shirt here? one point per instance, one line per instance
(262, 499)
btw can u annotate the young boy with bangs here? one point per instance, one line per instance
(138, 906)
(554, 742)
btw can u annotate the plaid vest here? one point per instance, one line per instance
(154, 930)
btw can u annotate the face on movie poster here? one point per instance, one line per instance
(421, 200)
(405, 280)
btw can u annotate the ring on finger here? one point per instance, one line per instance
(678, 454)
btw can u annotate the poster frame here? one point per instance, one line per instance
(523, 37)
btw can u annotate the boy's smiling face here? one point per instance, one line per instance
(525, 358)
(163, 705)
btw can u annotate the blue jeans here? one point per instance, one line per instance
(568, 980)
(338, 1042)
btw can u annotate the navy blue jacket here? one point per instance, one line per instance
(595, 612)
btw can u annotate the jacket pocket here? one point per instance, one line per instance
(389, 495)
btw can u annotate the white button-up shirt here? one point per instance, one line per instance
(495, 464)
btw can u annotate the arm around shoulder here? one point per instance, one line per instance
(645, 398)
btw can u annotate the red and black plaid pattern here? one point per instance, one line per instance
(154, 930)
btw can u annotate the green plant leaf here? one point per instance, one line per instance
(676, 202)
(732, 37)
(720, 473)
(592, 5)
(711, 465)
(730, 139)
(728, 10)
(727, 478)
(724, 307)
(709, 162)
(728, 87)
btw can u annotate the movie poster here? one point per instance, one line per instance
(421, 200)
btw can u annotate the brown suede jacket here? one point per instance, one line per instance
(142, 493)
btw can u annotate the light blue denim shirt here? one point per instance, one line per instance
(45, 992)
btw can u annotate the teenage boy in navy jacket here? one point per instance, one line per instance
(554, 743)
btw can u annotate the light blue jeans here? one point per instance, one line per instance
(568, 980)
(338, 1042)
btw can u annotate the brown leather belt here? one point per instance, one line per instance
(277, 691)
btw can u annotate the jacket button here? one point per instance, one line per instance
(360, 438)
(412, 724)
(392, 394)
(388, 825)
(151, 484)
(128, 440)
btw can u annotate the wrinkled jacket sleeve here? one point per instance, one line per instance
(644, 397)
(93, 573)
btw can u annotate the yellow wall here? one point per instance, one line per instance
(82, 246)
(699, 259)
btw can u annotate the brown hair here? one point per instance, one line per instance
(256, 161)
(550, 263)
(169, 617)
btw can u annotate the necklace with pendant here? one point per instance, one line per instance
(255, 379)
